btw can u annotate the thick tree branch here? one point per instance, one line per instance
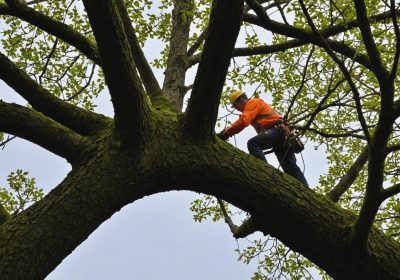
(281, 47)
(303, 38)
(245, 229)
(224, 27)
(392, 149)
(13, 4)
(374, 188)
(351, 175)
(55, 28)
(128, 97)
(366, 33)
(330, 30)
(303, 35)
(77, 119)
(390, 191)
(387, 116)
(276, 211)
(237, 52)
(174, 80)
(146, 73)
(40, 130)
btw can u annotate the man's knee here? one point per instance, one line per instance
(252, 144)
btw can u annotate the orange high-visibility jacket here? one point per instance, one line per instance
(257, 113)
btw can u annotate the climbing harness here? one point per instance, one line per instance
(292, 140)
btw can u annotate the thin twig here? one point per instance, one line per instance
(197, 44)
(321, 103)
(48, 58)
(85, 86)
(9, 139)
(228, 219)
(302, 83)
(346, 73)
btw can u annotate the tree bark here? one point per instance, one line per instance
(131, 108)
(174, 80)
(43, 131)
(33, 243)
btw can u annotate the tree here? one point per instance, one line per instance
(337, 81)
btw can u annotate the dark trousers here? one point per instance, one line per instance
(273, 138)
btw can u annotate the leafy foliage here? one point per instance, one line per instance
(20, 193)
(53, 63)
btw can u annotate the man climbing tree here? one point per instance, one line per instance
(332, 64)
(266, 122)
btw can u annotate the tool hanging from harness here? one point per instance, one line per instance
(292, 140)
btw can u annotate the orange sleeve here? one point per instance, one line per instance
(249, 113)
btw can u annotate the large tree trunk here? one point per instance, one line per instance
(110, 176)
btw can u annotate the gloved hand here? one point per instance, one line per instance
(223, 135)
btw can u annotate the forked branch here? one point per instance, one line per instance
(146, 73)
(242, 231)
(128, 97)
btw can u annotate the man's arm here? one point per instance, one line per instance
(249, 114)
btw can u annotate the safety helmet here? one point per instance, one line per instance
(235, 95)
